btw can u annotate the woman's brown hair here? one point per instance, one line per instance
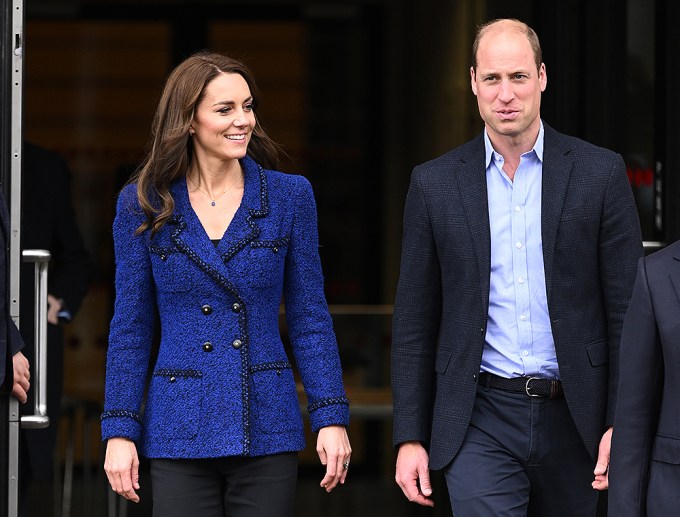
(170, 148)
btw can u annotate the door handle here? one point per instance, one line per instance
(39, 418)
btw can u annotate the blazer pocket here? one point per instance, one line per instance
(265, 264)
(666, 449)
(441, 363)
(275, 407)
(170, 269)
(173, 407)
(598, 352)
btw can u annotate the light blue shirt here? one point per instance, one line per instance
(519, 339)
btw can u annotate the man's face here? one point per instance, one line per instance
(507, 84)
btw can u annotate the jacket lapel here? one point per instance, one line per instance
(675, 274)
(557, 166)
(190, 237)
(472, 182)
(245, 226)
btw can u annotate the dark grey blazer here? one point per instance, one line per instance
(644, 474)
(591, 243)
(10, 339)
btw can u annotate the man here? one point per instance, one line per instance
(518, 260)
(14, 368)
(644, 476)
(49, 222)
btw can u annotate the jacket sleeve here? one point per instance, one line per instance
(416, 321)
(620, 247)
(638, 404)
(309, 323)
(131, 331)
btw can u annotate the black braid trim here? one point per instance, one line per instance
(175, 372)
(327, 402)
(279, 365)
(118, 413)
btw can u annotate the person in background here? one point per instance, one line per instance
(15, 375)
(49, 222)
(518, 261)
(643, 475)
(209, 238)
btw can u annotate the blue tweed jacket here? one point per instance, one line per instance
(222, 384)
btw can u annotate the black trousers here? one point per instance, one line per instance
(262, 486)
(521, 456)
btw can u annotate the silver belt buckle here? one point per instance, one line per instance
(526, 387)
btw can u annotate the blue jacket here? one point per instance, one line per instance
(222, 384)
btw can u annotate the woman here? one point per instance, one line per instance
(221, 421)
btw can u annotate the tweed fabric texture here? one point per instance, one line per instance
(591, 242)
(222, 384)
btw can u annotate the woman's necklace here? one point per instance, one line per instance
(213, 201)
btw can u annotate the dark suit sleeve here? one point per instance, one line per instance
(637, 410)
(620, 247)
(417, 316)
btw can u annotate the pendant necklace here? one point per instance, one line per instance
(213, 201)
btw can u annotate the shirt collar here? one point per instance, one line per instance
(538, 146)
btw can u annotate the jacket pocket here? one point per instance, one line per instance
(170, 269)
(441, 362)
(598, 352)
(173, 406)
(275, 407)
(666, 449)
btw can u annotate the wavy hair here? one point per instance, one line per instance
(170, 149)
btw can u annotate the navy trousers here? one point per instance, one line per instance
(262, 486)
(521, 456)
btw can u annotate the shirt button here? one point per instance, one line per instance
(206, 309)
(237, 344)
(236, 307)
(520, 280)
(525, 353)
(518, 209)
(523, 317)
(518, 245)
(208, 346)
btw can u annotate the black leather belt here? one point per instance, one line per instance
(532, 386)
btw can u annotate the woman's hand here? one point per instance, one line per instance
(334, 451)
(122, 467)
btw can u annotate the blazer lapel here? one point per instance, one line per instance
(471, 180)
(244, 227)
(675, 274)
(557, 166)
(190, 236)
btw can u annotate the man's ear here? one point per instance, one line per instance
(473, 82)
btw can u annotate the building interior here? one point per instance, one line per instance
(357, 92)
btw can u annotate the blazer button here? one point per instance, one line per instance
(208, 346)
(173, 378)
(236, 307)
(206, 309)
(275, 249)
(237, 344)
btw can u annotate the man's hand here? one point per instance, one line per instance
(22, 376)
(53, 308)
(413, 475)
(602, 466)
